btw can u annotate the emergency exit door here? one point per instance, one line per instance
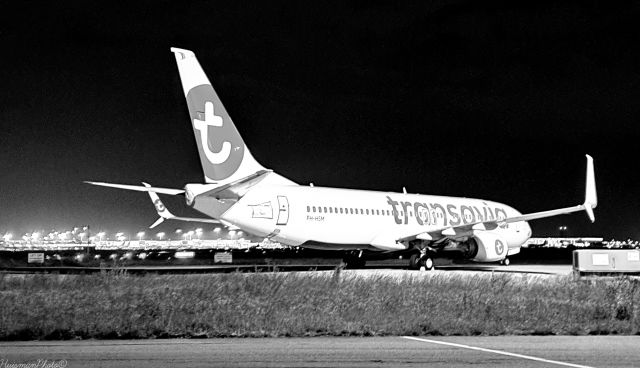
(283, 210)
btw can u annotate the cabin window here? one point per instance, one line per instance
(378, 212)
(325, 210)
(330, 209)
(308, 209)
(314, 208)
(340, 210)
(367, 212)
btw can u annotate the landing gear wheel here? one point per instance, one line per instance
(505, 262)
(414, 262)
(426, 264)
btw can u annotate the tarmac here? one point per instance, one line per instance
(397, 351)
(170, 269)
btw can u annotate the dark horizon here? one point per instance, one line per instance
(489, 100)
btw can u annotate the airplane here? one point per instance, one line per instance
(238, 191)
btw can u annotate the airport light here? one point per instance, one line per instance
(185, 254)
(160, 235)
(178, 231)
(217, 230)
(140, 235)
(563, 231)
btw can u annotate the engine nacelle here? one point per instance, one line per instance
(489, 247)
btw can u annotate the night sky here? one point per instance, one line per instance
(485, 99)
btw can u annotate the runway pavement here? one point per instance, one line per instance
(480, 352)
(521, 268)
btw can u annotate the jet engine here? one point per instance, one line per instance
(488, 247)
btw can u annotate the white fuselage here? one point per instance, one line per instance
(333, 218)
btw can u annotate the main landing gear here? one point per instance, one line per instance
(421, 261)
(354, 261)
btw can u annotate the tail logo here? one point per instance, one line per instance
(159, 205)
(210, 119)
(220, 146)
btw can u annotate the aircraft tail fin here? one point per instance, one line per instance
(223, 153)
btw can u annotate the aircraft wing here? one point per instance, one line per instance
(590, 202)
(165, 214)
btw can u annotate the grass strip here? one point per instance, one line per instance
(117, 305)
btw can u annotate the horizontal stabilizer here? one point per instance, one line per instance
(164, 213)
(158, 222)
(138, 188)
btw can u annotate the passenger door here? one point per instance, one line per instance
(283, 210)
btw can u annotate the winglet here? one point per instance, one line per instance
(163, 212)
(590, 196)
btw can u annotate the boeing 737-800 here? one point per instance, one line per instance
(238, 191)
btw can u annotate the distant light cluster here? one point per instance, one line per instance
(581, 243)
(79, 235)
(218, 244)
